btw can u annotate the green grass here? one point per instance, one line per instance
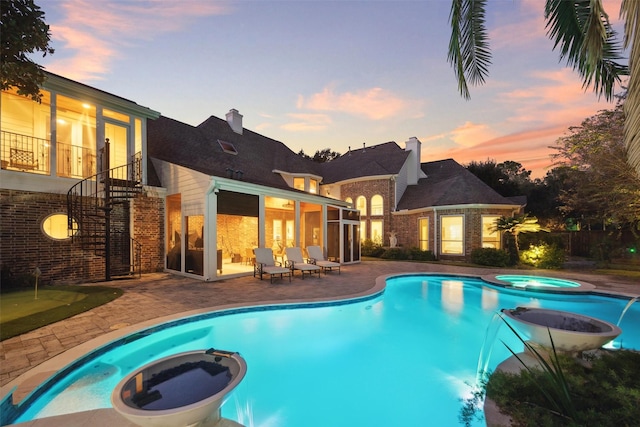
(20, 312)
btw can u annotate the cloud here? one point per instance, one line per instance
(91, 36)
(374, 103)
(469, 133)
(307, 123)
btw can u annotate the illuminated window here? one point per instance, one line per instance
(423, 233)
(452, 235)
(75, 138)
(56, 226)
(349, 200)
(376, 232)
(298, 183)
(363, 230)
(313, 186)
(377, 205)
(115, 115)
(490, 235)
(361, 205)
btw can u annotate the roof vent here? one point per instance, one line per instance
(234, 118)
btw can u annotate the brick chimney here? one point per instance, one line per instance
(414, 171)
(234, 118)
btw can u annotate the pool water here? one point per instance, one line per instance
(537, 281)
(405, 357)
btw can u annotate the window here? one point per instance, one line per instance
(377, 207)
(174, 232)
(56, 226)
(313, 186)
(490, 236)
(361, 205)
(298, 183)
(349, 200)
(452, 234)
(227, 147)
(363, 230)
(423, 234)
(76, 138)
(376, 232)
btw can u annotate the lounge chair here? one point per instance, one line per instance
(296, 262)
(265, 264)
(316, 256)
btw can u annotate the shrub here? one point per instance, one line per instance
(543, 256)
(418, 254)
(491, 257)
(371, 249)
(10, 280)
(395, 253)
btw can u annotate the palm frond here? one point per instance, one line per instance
(469, 51)
(587, 42)
(630, 13)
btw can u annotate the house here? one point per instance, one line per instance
(437, 206)
(49, 147)
(93, 186)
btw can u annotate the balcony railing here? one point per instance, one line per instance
(75, 162)
(25, 153)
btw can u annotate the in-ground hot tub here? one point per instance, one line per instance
(569, 331)
(185, 389)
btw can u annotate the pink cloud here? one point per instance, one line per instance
(307, 123)
(374, 103)
(93, 39)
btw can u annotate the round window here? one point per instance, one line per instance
(56, 226)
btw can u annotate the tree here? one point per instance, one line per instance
(600, 186)
(507, 178)
(587, 43)
(512, 227)
(321, 156)
(24, 31)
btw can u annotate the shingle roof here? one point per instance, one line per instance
(197, 148)
(449, 183)
(382, 159)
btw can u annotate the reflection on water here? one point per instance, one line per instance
(453, 296)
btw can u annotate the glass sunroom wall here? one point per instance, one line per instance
(26, 132)
(311, 225)
(174, 232)
(75, 138)
(280, 225)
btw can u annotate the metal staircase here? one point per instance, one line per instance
(99, 215)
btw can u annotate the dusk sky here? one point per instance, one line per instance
(330, 74)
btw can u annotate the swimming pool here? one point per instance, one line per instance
(404, 357)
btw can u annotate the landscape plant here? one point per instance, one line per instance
(490, 257)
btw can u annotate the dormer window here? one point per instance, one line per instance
(298, 183)
(313, 186)
(227, 147)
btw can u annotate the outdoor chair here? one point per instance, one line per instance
(265, 264)
(296, 262)
(316, 256)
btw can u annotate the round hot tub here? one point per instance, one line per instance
(185, 389)
(569, 331)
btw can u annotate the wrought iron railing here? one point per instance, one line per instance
(73, 161)
(25, 153)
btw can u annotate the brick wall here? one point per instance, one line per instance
(368, 189)
(24, 246)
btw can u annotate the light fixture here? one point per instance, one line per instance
(289, 205)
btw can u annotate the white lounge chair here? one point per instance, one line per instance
(316, 256)
(265, 264)
(296, 262)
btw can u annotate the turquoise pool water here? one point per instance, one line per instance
(537, 281)
(404, 358)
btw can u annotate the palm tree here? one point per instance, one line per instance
(587, 42)
(512, 226)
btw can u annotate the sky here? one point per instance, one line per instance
(336, 74)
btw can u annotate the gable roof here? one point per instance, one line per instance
(197, 148)
(449, 183)
(382, 159)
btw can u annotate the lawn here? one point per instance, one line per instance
(21, 312)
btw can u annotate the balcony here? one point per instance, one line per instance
(29, 154)
(25, 153)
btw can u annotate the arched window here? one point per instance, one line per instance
(377, 207)
(361, 205)
(349, 200)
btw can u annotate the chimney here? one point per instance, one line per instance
(234, 118)
(413, 145)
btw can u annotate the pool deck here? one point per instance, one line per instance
(158, 297)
